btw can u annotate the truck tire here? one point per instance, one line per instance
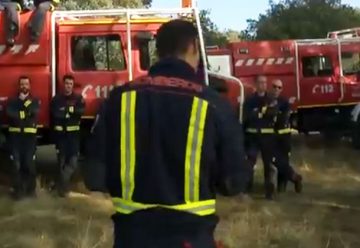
(355, 135)
(330, 138)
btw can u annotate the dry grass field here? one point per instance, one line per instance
(326, 215)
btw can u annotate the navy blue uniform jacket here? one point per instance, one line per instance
(161, 124)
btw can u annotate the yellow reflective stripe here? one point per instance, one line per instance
(251, 130)
(267, 130)
(29, 130)
(262, 130)
(263, 109)
(27, 103)
(58, 128)
(200, 208)
(194, 148)
(200, 138)
(71, 109)
(72, 128)
(68, 128)
(14, 129)
(25, 130)
(188, 149)
(127, 144)
(284, 131)
(22, 115)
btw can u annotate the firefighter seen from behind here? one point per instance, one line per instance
(170, 144)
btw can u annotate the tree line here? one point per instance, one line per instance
(284, 19)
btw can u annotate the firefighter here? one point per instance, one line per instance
(37, 20)
(22, 113)
(259, 116)
(171, 143)
(66, 110)
(283, 141)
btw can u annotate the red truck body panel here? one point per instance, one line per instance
(309, 69)
(94, 51)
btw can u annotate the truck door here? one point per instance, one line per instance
(350, 61)
(94, 55)
(318, 74)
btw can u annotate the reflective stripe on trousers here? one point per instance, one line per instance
(192, 204)
(261, 130)
(284, 131)
(22, 130)
(67, 129)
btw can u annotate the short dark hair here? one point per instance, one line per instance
(174, 37)
(68, 76)
(258, 77)
(23, 77)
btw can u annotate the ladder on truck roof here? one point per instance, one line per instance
(345, 33)
(127, 15)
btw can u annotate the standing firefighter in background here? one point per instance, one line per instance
(259, 115)
(22, 112)
(171, 143)
(66, 110)
(283, 141)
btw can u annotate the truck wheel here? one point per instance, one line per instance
(331, 138)
(355, 136)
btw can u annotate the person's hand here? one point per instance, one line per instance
(22, 96)
(273, 103)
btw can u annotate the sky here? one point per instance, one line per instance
(231, 14)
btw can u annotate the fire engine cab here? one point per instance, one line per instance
(100, 48)
(321, 77)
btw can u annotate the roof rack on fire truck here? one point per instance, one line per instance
(345, 33)
(127, 16)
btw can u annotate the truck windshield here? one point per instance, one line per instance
(350, 62)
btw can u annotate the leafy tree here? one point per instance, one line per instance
(212, 35)
(301, 19)
(233, 35)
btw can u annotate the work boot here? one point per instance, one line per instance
(17, 194)
(250, 185)
(297, 179)
(10, 42)
(270, 191)
(282, 186)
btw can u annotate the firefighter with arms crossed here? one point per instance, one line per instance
(171, 144)
(22, 113)
(259, 115)
(66, 111)
(283, 141)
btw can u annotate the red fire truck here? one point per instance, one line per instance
(100, 48)
(321, 76)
